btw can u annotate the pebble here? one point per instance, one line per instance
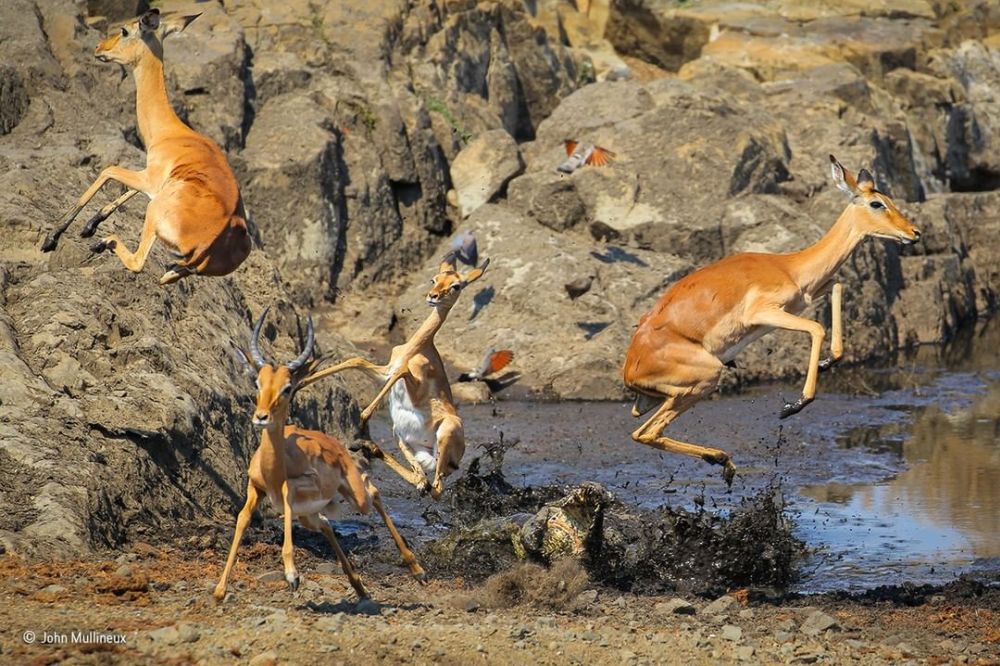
(54, 589)
(786, 625)
(187, 632)
(818, 622)
(783, 636)
(731, 632)
(628, 655)
(676, 606)
(271, 577)
(746, 613)
(125, 571)
(269, 658)
(745, 652)
(168, 635)
(719, 606)
(586, 597)
(329, 568)
(906, 649)
(620, 602)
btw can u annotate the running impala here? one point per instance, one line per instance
(195, 206)
(306, 474)
(705, 319)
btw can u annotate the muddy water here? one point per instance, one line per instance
(892, 475)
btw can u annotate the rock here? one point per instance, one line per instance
(675, 607)
(782, 636)
(731, 632)
(167, 635)
(720, 606)
(54, 589)
(269, 658)
(125, 571)
(13, 99)
(745, 652)
(585, 598)
(483, 168)
(818, 622)
(187, 633)
(271, 577)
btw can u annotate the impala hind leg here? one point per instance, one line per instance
(135, 180)
(101, 215)
(409, 559)
(242, 520)
(651, 434)
(319, 523)
(450, 449)
(134, 261)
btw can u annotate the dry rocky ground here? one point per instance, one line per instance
(363, 134)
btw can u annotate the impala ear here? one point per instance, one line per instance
(447, 263)
(865, 180)
(842, 178)
(177, 23)
(150, 21)
(476, 273)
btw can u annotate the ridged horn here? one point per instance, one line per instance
(258, 358)
(307, 352)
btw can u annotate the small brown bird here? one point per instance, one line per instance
(578, 287)
(603, 232)
(493, 362)
(579, 154)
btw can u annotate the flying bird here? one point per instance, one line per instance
(463, 248)
(579, 154)
(578, 287)
(493, 362)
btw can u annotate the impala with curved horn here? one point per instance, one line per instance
(708, 317)
(424, 417)
(305, 474)
(195, 207)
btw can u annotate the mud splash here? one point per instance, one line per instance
(623, 546)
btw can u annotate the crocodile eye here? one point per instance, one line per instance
(877, 205)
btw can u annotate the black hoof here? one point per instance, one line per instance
(794, 407)
(293, 584)
(101, 246)
(49, 244)
(729, 473)
(828, 363)
(91, 227)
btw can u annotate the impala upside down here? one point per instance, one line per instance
(195, 206)
(304, 473)
(708, 317)
(423, 411)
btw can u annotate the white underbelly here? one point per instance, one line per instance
(410, 424)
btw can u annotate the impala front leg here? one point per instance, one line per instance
(101, 215)
(782, 319)
(393, 378)
(287, 547)
(357, 363)
(135, 180)
(837, 328)
(132, 261)
(242, 520)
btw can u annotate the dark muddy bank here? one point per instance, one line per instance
(891, 476)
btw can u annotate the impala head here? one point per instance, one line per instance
(129, 42)
(873, 210)
(276, 383)
(449, 283)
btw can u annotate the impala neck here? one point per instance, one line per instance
(272, 453)
(814, 266)
(425, 334)
(152, 106)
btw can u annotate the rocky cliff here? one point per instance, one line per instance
(365, 133)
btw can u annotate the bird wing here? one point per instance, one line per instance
(570, 146)
(495, 361)
(600, 157)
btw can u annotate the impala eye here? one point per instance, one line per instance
(286, 389)
(877, 205)
(124, 32)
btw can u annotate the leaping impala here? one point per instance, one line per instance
(424, 417)
(304, 473)
(195, 207)
(705, 319)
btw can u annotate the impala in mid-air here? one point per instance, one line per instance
(195, 207)
(424, 416)
(708, 317)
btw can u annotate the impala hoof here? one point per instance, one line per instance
(91, 227)
(728, 473)
(794, 407)
(50, 243)
(420, 575)
(101, 246)
(293, 581)
(828, 363)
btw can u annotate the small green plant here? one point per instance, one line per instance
(438, 106)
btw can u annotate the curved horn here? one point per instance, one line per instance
(258, 358)
(307, 352)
